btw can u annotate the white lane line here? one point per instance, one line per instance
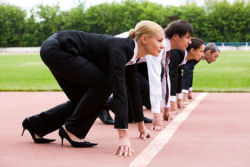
(146, 156)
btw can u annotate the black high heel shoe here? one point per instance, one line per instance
(63, 134)
(26, 125)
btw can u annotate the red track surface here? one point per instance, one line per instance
(216, 133)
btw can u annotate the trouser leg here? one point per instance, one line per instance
(50, 120)
(87, 110)
(84, 84)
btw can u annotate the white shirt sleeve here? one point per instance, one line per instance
(172, 98)
(163, 82)
(154, 77)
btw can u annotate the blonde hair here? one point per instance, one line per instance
(144, 27)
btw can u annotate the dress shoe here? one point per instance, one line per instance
(106, 118)
(26, 125)
(63, 134)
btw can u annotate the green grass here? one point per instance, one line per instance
(230, 73)
(27, 72)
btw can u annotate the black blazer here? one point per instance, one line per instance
(188, 70)
(110, 54)
(176, 58)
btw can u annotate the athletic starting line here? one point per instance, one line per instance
(146, 156)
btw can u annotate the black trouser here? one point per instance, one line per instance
(85, 85)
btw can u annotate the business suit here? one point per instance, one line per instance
(144, 89)
(144, 84)
(188, 69)
(177, 57)
(88, 67)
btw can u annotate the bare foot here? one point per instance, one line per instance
(36, 136)
(72, 137)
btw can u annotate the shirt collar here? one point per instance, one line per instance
(125, 35)
(135, 52)
(167, 44)
(184, 59)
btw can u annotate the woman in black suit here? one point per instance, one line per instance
(89, 67)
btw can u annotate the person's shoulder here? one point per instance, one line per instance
(177, 52)
(122, 35)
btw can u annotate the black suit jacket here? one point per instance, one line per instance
(188, 70)
(110, 54)
(176, 58)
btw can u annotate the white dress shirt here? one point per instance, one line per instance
(156, 86)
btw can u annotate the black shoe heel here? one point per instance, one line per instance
(63, 134)
(26, 125)
(23, 131)
(62, 140)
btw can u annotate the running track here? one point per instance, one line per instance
(213, 131)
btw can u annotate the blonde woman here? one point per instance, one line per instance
(89, 67)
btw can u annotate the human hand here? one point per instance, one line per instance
(167, 115)
(185, 98)
(173, 107)
(144, 132)
(179, 104)
(157, 122)
(190, 96)
(124, 145)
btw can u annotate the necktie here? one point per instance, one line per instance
(166, 75)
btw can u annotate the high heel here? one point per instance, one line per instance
(63, 134)
(26, 125)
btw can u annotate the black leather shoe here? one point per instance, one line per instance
(106, 118)
(63, 134)
(147, 120)
(26, 125)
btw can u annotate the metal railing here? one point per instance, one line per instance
(233, 44)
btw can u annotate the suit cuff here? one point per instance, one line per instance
(179, 95)
(172, 98)
(184, 91)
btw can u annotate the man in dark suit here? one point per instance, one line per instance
(178, 35)
(211, 53)
(177, 59)
(142, 76)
